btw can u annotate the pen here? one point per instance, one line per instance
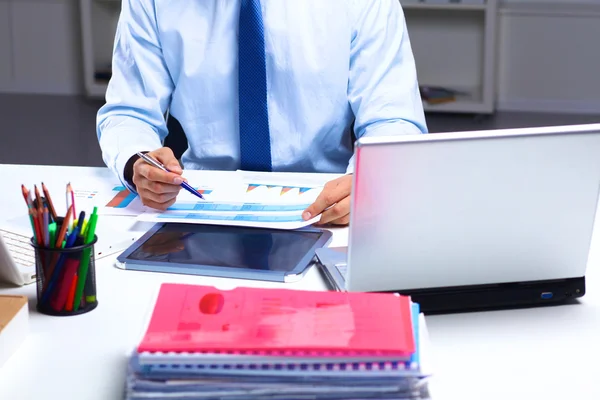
(157, 164)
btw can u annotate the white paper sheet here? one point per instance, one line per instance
(236, 198)
(241, 199)
(256, 220)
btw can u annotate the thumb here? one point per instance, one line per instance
(315, 208)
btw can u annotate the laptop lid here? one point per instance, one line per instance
(473, 208)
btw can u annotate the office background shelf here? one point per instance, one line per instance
(455, 50)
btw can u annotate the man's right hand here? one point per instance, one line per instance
(158, 189)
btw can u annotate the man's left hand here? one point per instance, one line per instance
(333, 203)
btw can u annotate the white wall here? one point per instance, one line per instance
(548, 53)
(549, 57)
(40, 47)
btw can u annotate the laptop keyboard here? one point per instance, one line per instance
(19, 248)
(342, 268)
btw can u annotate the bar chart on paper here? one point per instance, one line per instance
(230, 198)
(122, 197)
(245, 204)
(110, 199)
(124, 202)
(279, 190)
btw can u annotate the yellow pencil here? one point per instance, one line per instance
(84, 227)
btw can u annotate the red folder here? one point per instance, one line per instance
(201, 319)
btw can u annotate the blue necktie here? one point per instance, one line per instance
(255, 141)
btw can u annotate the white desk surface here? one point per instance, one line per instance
(538, 353)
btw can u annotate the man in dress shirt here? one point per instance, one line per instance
(271, 85)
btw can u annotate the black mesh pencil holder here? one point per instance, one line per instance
(66, 279)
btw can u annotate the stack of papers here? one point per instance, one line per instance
(249, 343)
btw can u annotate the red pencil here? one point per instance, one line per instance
(25, 194)
(71, 296)
(36, 222)
(38, 198)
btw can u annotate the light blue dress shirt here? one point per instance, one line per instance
(329, 63)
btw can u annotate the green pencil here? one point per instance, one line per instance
(85, 261)
(52, 233)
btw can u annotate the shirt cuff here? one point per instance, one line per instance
(121, 161)
(116, 153)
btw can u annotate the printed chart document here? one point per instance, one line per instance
(244, 199)
(110, 198)
(234, 198)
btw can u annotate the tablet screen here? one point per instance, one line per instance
(224, 246)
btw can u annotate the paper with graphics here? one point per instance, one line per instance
(244, 199)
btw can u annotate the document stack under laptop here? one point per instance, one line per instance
(248, 343)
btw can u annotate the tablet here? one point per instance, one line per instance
(225, 251)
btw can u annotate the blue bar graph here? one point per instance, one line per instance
(209, 206)
(238, 217)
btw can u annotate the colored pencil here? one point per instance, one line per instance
(70, 191)
(38, 198)
(27, 197)
(57, 273)
(36, 221)
(60, 236)
(46, 233)
(66, 282)
(52, 233)
(25, 194)
(40, 214)
(67, 198)
(49, 201)
(33, 225)
(63, 229)
(85, 260)
(71, 296)
(84, 228)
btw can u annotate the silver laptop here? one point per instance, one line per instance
(472, 219)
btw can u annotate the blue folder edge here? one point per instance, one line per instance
(415, 311)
